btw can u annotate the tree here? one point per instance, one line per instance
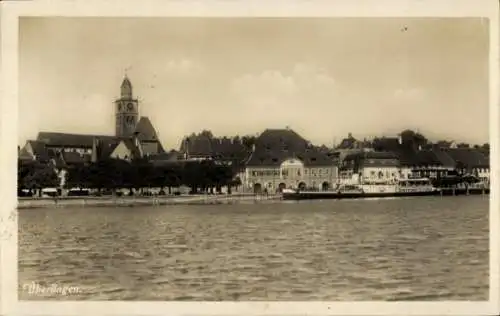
(40, 176)
(23, 170)
(485, 149)
(412, 138)
(77, 176)
(236, 182)
(248, 141)
(236, 139)
(207, 133)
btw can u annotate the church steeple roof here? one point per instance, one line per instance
(126, 88)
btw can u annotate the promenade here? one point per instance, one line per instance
(91, 201)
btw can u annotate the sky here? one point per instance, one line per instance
(322, 77)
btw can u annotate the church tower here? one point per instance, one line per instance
(127, 110)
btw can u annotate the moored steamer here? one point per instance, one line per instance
(406, 187)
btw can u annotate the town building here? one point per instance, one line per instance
(369, 168)
(281, 159)
(350, 145)
(416, 162)
(471, 161)
(433, 163)
(204, 146)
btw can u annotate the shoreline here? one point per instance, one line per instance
(94, 201)
(198, 199)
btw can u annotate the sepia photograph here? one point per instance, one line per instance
(260, 158)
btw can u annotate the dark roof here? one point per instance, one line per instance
(106, 147)
(59, 161)
(407, 154)
(469, 157)
(274, 146)
(372, 155)
(39, 150)
(369, 159)
(134, 150)
(347, 143)
(228, 149)
(197, 145)
(70, 140)
(126, 82)
(107, 143)
(444, 158)
(145, 129)
(427, 158)
(385, 143)
(24, 155)
(75, 158)
(203, 145)
(172, 155)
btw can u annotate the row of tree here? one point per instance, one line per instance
(417, 139)
(113, 174)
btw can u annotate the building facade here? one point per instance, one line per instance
(283, 159)
(370, 168)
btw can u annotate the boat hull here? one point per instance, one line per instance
(353, 195)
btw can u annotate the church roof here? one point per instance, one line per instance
(107, 146)
(145, 129)
(274, 146)
(41, 153)
(107, 143)
(70, 140)
(126, 82)
(134, 150)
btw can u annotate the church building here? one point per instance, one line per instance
(135, 137)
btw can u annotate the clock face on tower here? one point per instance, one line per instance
(130, 106)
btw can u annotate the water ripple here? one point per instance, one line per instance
(406, 249)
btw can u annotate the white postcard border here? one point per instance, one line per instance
(10, 13)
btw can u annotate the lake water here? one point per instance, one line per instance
(433, 248)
